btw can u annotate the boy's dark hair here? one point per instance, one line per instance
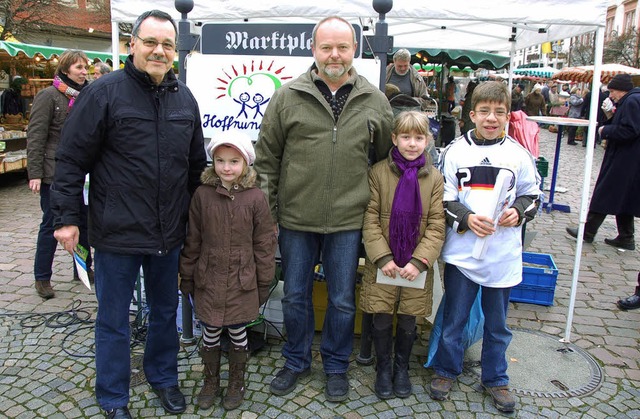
(491, 91)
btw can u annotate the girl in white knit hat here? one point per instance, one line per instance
(228, 261)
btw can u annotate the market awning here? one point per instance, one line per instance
(455, 57)
(543, 72)
(14, 48)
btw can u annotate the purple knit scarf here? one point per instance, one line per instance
(406, 210)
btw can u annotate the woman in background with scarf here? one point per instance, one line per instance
(48, 113)
(403, 234)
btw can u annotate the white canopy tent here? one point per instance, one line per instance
(504, 26)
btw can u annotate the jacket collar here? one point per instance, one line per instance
(169, 81)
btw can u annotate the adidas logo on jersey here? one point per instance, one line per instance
(485, 162)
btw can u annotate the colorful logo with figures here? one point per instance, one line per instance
(242, 93)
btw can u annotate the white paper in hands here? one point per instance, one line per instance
(399, 281)
(80, 259)
(496, 206)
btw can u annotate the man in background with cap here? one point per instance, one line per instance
(617, 190)
(312, 162)
(138, 133)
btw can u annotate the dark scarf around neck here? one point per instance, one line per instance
(406, 210)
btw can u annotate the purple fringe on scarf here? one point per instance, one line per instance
(406, 210)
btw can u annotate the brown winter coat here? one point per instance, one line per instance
(534, 104)
(48, 113)
(228, 258)
(383, 179)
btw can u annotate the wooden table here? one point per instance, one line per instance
(561, 123)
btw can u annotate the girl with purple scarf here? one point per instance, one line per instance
(403, 233)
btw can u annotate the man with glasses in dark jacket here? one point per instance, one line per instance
(138, 133)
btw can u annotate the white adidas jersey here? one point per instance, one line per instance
(470, 173)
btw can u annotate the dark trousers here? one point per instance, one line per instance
(572, 134)
(623, 221)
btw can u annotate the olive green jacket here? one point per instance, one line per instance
(314, 169)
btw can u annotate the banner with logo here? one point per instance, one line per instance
(233, 91)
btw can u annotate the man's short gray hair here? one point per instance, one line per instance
(102, 68)
(402, 55)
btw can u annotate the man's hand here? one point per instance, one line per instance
(68, 237)
(34, 185)
(480, 225)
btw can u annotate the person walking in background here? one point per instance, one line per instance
(138, 132)
(575, 110)
(100, 69)
(617, 190)
(312, 159)
(48, 113)
(403, 234)
(534, 103)
(401, 74)
(472, 165)
(554, 98)
(466, 123)
(231, 233)
(517, 97)
(601, 115)
(450, 90)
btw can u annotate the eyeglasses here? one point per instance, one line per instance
(152, 43)
(499, 113)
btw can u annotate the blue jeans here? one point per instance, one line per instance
(115, 277)
(46, 244)
(459, 297)
(300, 253)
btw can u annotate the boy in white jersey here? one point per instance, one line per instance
(474, 166)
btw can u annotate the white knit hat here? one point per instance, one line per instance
(236, 139)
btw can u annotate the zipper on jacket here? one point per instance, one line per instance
(156, 91)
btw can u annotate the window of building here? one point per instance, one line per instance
(69, 3)
(629, 22)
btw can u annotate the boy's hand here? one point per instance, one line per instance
(480, 225)
(389, 269)
(409, 272)
(509, 218)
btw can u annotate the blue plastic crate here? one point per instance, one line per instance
(544, 275)
(538, 282)
(533, 295)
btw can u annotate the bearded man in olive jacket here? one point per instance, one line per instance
(312, 161)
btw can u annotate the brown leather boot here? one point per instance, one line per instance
(238, 357)
(44, 289)
(211, 389)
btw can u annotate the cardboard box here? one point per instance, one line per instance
(320, 306)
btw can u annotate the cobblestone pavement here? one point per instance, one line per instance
(46, 369)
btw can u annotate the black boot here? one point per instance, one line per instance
(382, 338)
(405, 336)
(625, 239)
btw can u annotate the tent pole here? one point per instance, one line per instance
(382, 44)
(186, 42)
(597, 71)
(115, 46)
